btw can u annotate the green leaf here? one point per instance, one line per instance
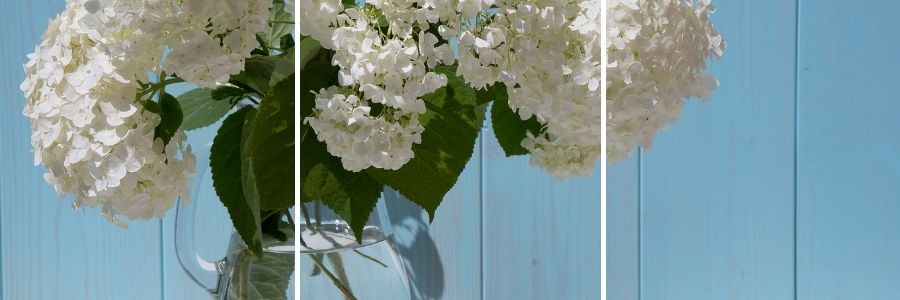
(272, 225)
(319, 75)
(248, 179)
(256, 74)
(284, 67)
(493, 92)
(320, 172)
(203, 107)
(312, 151)
(263, 72)
(348, 3)
(267, 277)
(152, 106)
(309, 47)
(278, 18)
(170, 118)
(321, 181)
(355, 199)
(509, 128)
(352, 195)
(273, 147)
(227, 93)
(287, 42)
(225, 162)
(263, 48)
(451, 126)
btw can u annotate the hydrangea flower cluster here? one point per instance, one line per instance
(547, 53)
(360, 139)
(657, 54)
(390, 65)
(89, 127)
(208, 43)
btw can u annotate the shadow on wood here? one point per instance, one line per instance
(415, 247)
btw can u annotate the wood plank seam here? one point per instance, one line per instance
(796, 134)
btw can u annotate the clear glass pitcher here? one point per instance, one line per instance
(240, 274)
(334, 265)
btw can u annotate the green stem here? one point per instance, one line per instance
(306, 215)
(318, 213)
(160, 85)
(290, 219)
(308, 225)
(371, 258)
(338, 264)
(269, 215)
(281, 22)
(303, 136)
(346, 291)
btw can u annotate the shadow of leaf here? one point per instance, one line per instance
(415, 247)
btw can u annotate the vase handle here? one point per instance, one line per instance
(205, 273)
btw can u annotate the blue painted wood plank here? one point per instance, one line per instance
(848, 169)
(541, 235)
(717, 189)
(50, 251)
(443, 259)
(623, 230)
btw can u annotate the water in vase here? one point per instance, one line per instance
(335, 266)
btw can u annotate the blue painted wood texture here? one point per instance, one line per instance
(717, 188)
(848, 176)
(622, 241)
(540, 234)
(786, 184)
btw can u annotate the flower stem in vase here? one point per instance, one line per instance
(348, 294)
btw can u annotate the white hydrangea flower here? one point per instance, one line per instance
(359, 139)
(318, 19)
(547, 54)
(657, 52)
(208, 42)
(95, 139)
(391, 66)
(561, 159)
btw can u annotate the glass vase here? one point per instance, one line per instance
(334, 265)
(240, 275)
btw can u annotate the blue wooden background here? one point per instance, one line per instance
(786, 185)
